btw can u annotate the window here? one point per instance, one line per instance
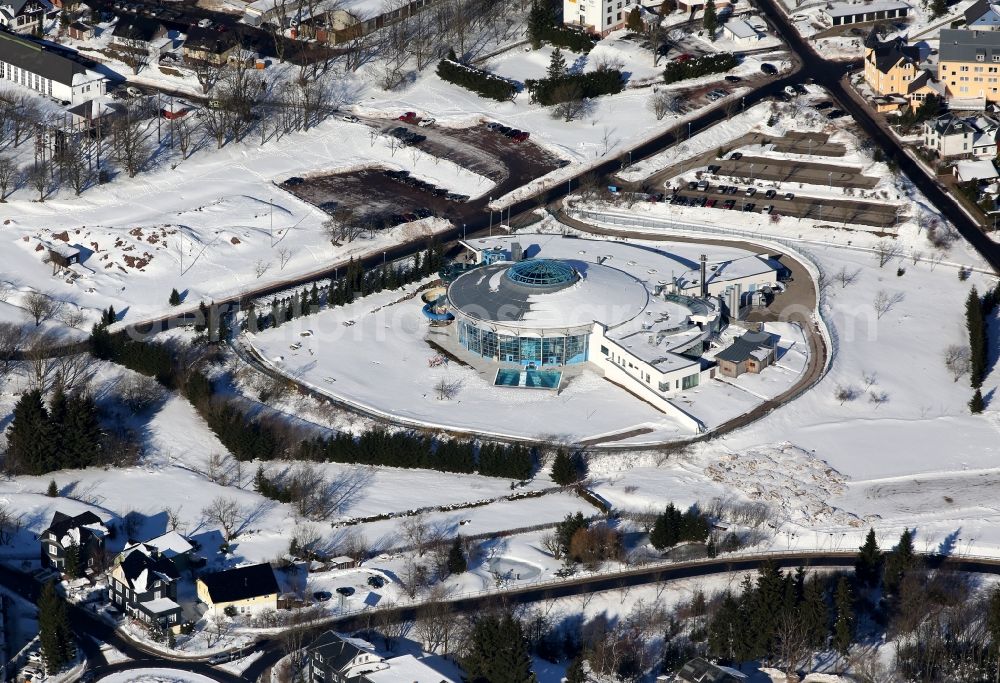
(604, 350)
(619, 16)
(996, 58)
(664, 386)
(690, 381)
(980, 58)
(963, 68)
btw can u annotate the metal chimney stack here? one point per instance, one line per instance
(704, 276)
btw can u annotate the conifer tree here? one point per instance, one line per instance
(814, 614)
(710, 20)
(314, 299)
(109, 317)
(564, 469)
(81, 433)
(575, 672)
(843, 626)
(53, 630)
(72, 559)
(540, 20)
(557, 65)
(898, 562)
(634, 20)
(53, 490)
(457, 563)
(976, 403)
(868, 566)
(976, 326)
(30, 447)
(275, 313)
(498, 651)
(202, 322)
(175, 297)
(664, 533)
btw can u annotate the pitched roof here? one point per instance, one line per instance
(36, 58)
(137, 28)
(170, 544)
(978, 10)
(700, 671)
(241, 583)
(139, 570)
(744, 348)
(336, 650)
(86, 522)
(967, 46)
(209, 40)
(890, 53)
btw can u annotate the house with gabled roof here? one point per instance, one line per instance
(890, 66)
(144, 585)
(951, 136)
(246, 589)
(335, 658)
(751, 353)
(699, 670)
(84, 532)
(23, 16)
(58, 75)
(983, 15)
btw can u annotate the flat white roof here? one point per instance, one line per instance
(409, 669)
(846, 9)
(976, 170)
(740, 28)
(160, 605)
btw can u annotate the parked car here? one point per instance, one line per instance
(294, 181)
(826, 104)
(521, 136)
(686, 56)
(204, 23)
(426, 122)
(376, 581)
(729, 203)
(492, 125)
(133, 91)
(346, 591)
(789, 196)
(790, 91)
(751, 191)
(769, 69)
(749, 207)
(736, 156)
(770, 194)
(835, 114)
(733, 79)
(710, 203)
(692, 184)
(408, 116)
(768, 209)
(703, 185)
(714, 168)
(715, 95)
(800, 89)
(350, 118)
(322, 596)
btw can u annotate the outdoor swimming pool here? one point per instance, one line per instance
(529, 379)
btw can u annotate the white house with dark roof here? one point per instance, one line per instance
(844, 13)
(23, 16)
(31, 64)
(952, 136)
(334, 658)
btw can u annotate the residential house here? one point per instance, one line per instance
(137, 35)
(891, 66)
(845, 13)
(33, 65)
(86, 532)
(23, 16)
(80, 31)
(751, 353)
(333, 658)
(969, 64)
(699, 670)
(597, 16)
(343, 562)
(144, 586)
(980, 169)
(209, 46)
(741, 32)
(170, 545)
(952, 136)
(245, 589)
(983, 15)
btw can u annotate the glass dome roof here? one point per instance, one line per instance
(541, 273)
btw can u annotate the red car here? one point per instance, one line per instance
(684, 57)
(521, 137)
(710, 203)
(730, 203)
(408, 117)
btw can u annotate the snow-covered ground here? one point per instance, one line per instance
(155, 676)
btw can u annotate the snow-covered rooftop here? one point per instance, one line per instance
(846, 9)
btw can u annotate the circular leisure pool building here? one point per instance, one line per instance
(531, 305)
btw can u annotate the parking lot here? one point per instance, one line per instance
(392, 200)
(795, 171)
(828, 210)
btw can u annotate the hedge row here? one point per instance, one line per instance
(483, 83)
(560, 36)
(700, 66)
(548, 91)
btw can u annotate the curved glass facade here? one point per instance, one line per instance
(539, 351)
(541, 273)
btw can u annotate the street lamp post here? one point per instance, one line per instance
(830, 180)
(751, 171)
(689, 130)
(463, 231)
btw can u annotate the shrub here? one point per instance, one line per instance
(483, 83)
(700, 66)
(546, 91)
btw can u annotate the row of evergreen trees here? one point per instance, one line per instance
(54, 633)
(356, 281)
(699, 66)
(977, 313)
(673, 526)
(483, 83)
(548, 91)
(66, 434)
(378, 446)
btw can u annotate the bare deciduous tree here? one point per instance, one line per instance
(40, 178)
(12, 337)
(10, 525)
(887, 250)
(846, 277)
(139, 392)
(9, 174)
(129, 143)
(958, 360)
(663, 103)
(885, 302)
(846, 393)
(40, 306)
(877, 398)
(226, 513)
(569, 101)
